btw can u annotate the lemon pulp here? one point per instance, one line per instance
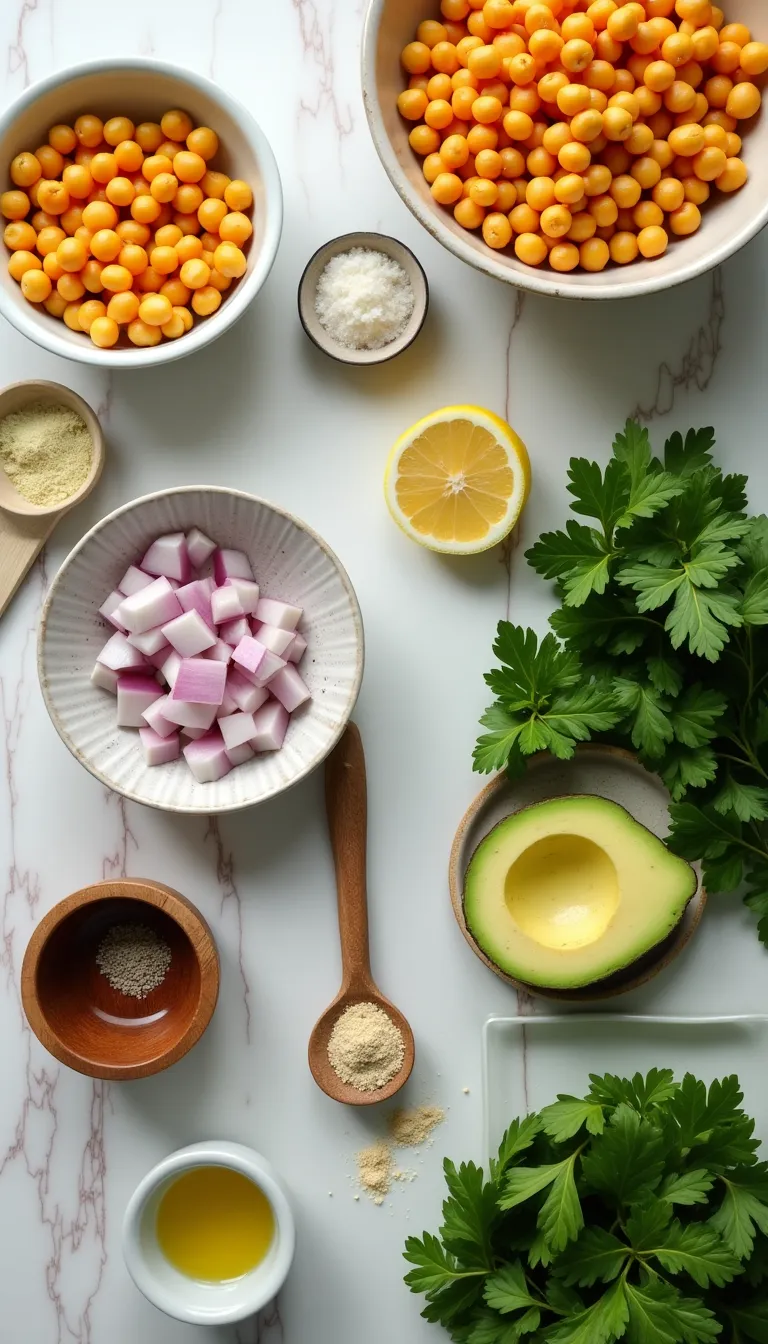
(214, 1224)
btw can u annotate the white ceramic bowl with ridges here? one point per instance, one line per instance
(289, 560)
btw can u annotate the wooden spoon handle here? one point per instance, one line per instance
(21, 541)
(347, 806)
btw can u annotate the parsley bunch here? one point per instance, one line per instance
(639, 1212)
(660, 645)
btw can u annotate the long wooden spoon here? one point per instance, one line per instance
(25, 527)
(346, 802)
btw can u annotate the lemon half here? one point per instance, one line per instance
(457, 480)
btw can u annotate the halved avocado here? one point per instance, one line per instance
(569, 891)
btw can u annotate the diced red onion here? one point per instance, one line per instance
(226, 605)
(170, 668)
(188, 715)
(289, 689)
(246, 696)
(133, 580)
(201, 681)
(221, 652)
(168, 555)
(207, 758)
(271, 722)
(247, 591)
(195, 596)
(276, 640)
(105, 678)
(109, 607)
(233, 631)
(249, 654)
(199, 547)
(297, 650)
(281, 614)
(236, 729)
(151, 643)
(156, 719)
(154, 605)
(134, 695)
(239, 755)
(192, 734)
(157, 659)
(159, 750)
(228, 564)
(121, 656)
(189, 634)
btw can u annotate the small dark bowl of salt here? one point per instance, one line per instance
(120, 979)
(363, 298)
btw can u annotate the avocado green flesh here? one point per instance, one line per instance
(569, 891)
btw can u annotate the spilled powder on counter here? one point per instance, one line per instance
(406, 1129)
(46, 452)
(410, 1129)
(366, 1049)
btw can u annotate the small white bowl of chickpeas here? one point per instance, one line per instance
(579, 148)
(141, 212)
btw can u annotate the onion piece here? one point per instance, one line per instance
(156, 719)
(289, 689)
(236, 729)
(297, 649)
(246, 696)
(239, 755)
(207, 758)
(234, 631)
(154, 605)
(105, 678)
(229, 564)
(134, 695)
(159, 750)
(199, 547)
(109, 607)
(271, 723)
(151, 643)
(189, 634)
(170, 668)
(281, 614)
(275, 639)
(168, 555)
(187, 715)
(133, 580)
(196, 596)
(192, 734)
(121, 656)
(201, 681)
(247, 591)
(221, 652)
(226, 605)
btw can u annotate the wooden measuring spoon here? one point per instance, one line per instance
(346, 802)
(25, 527)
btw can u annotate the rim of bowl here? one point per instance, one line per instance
(207, 809)
(253, 280)
(183, 912)
(237, 1157)
(333, 348)
(534, 281)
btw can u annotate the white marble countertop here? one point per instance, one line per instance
(264, 411)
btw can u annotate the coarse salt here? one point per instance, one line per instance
(364, 299)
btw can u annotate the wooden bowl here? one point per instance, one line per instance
(93, 1028)
(608, 772)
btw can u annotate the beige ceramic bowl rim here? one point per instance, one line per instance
(588, 994)
(68, 398)
(106, 522)
(531, 279)
(234, 307)
(326, 343)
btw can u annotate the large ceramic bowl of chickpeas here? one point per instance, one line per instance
(141, 212)
(589, 149)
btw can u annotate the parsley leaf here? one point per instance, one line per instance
(687, 1187)
(597, 1256)
(683, 457)
(648, 713)
(601, 1323)
(643, 1094)
(744, 1207)
(469, 1214)
(682, 769)
(557, 553)
(659, 1314)
(696, 714)
(599, 495)
(435, 1268)
(507, 1290)
(517, 1139)
(748, 801)
(565, 1117)
(629, 1161)
(698, 1251)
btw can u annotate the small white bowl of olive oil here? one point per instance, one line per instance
(208, 1235)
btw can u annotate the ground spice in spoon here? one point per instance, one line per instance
(134, 959)
(46, 452)
(366, 1049)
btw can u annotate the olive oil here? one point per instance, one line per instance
(214, 1224)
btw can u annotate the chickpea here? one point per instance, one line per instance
(530, 248)
(734, 175)
(685, 220)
